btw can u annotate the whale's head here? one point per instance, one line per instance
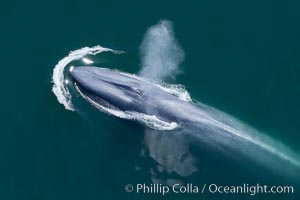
(108, 87)
(118, 91)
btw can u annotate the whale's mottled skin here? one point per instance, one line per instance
(209, 130)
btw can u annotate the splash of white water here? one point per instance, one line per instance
(176, 90)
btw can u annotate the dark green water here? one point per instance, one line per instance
(242, 57)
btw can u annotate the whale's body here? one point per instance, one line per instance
(208, 131)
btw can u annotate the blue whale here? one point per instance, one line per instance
(210, 130)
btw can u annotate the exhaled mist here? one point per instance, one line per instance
(161, 54)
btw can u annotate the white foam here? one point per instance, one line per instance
(151, 121)
(59, 88)
(176, 90)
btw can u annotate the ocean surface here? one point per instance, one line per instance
(240, 57)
